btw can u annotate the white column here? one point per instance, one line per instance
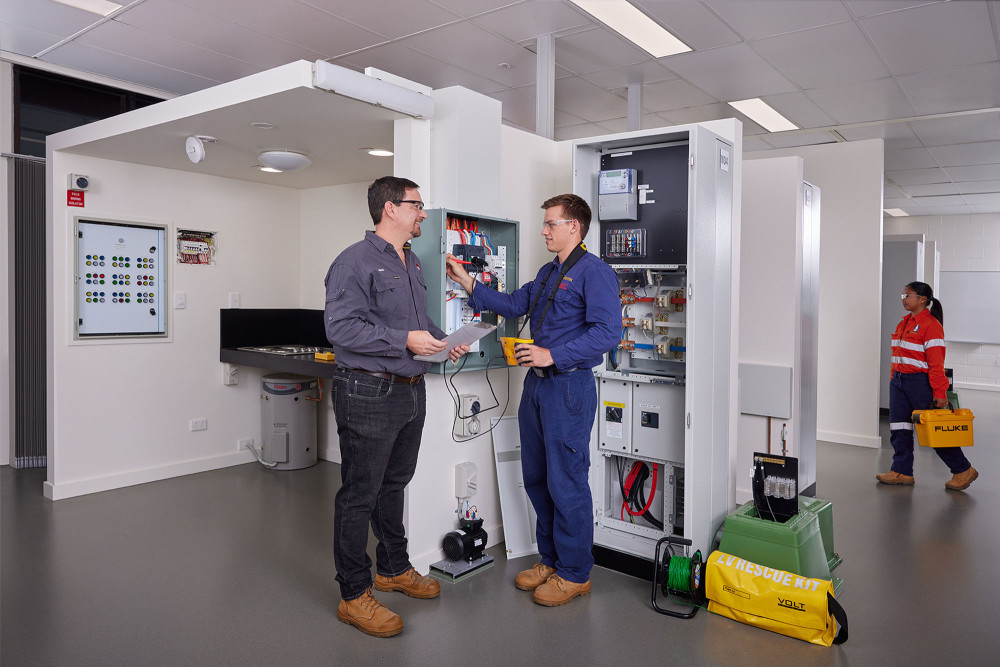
(545, 87)
(634, 106)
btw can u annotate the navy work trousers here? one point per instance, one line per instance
(379, 423)
(555, 419)
(909, 392)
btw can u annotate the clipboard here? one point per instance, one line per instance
(467, 335)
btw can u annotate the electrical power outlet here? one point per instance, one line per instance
(243, 443)
(198, 424)
(468, 424)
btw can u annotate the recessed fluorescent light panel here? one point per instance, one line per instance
(759, 112)
(633, 25)
(896, 212)
(99, 7)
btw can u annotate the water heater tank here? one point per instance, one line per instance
(288, 420)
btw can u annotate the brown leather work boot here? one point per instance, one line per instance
(529, 580)
(893, 477)
(961, 481)
(409, 583)
(370, 616)
(557, 591)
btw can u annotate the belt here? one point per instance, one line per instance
(401, 379)
(549, 371)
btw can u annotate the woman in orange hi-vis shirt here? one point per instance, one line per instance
(918, 383)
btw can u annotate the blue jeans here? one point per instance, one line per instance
(909, 392)
(379, 423)
(555, 419)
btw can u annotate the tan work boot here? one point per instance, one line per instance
(557, 591)
(529, 580)
(893, 477)
(370, 616)
(961, 481)
(410, 583)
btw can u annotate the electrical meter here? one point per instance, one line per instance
(617, 195)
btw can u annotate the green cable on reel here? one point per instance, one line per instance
(678, 574)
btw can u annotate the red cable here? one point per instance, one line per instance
(652, 493)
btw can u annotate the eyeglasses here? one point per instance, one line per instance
(552, 224)
(904, 296)
(418, 204)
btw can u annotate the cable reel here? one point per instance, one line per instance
(678, 575)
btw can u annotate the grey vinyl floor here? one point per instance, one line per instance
(234, 567)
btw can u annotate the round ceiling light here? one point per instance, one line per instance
(380, 152)
(284, 160)
(260, 125)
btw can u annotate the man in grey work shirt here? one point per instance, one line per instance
(376, 320)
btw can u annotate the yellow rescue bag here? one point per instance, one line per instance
(775, 600)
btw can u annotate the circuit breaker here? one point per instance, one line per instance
(661, 448)
(120, 279)
(488, 246)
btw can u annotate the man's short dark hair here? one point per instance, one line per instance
(387, 188)
(574, 207)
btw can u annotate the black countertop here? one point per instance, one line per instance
(302, 364)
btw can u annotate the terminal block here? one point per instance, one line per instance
(628, 322)
(626, 345)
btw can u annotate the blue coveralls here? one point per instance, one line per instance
(559, 403)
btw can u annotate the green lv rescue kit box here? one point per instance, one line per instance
(943, 428)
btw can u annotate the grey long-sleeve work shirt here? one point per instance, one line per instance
(372, 303)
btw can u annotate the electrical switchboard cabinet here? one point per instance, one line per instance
(490, 247)
(661, 453)
(120, 279)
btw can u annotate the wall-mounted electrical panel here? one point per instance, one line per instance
(666, 394)
(490, 245)
(120, 278)
(197, 247)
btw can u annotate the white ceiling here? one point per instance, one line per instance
(923, 75)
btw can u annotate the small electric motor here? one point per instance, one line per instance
(467, 543)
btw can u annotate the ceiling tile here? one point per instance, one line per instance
(859, 102)
(755, 144)
(698, 114)
(403, 18)
(531, 19)
(582, 98)
(287, 20)
(800, 139)
(985, 152)
(974, 187)
(141, 45)
(516, 107)
(25, 41)
(649, 122)
(942, 210)
(188, 25)
(674, 94)
(821, 57)
(474, 7)
(729, 73)
(88, 59)
(943, 200)
(933, 37)
(895, 135)
(986, 198)
(962, 89)
(862, 8)
(958, 129)
(621, 77)
(580, 131)
(419, 67)
(799, 109)
(931, 189)
(595, 50)
(481, 52)
(691, 22)
(908, 158)
(979, 172)
(919, 176)
(764, 18)
(48, 17)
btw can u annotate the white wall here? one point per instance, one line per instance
(6, 249)
(118, 413)
(770, 293)
(966, 243)
(850, 177)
